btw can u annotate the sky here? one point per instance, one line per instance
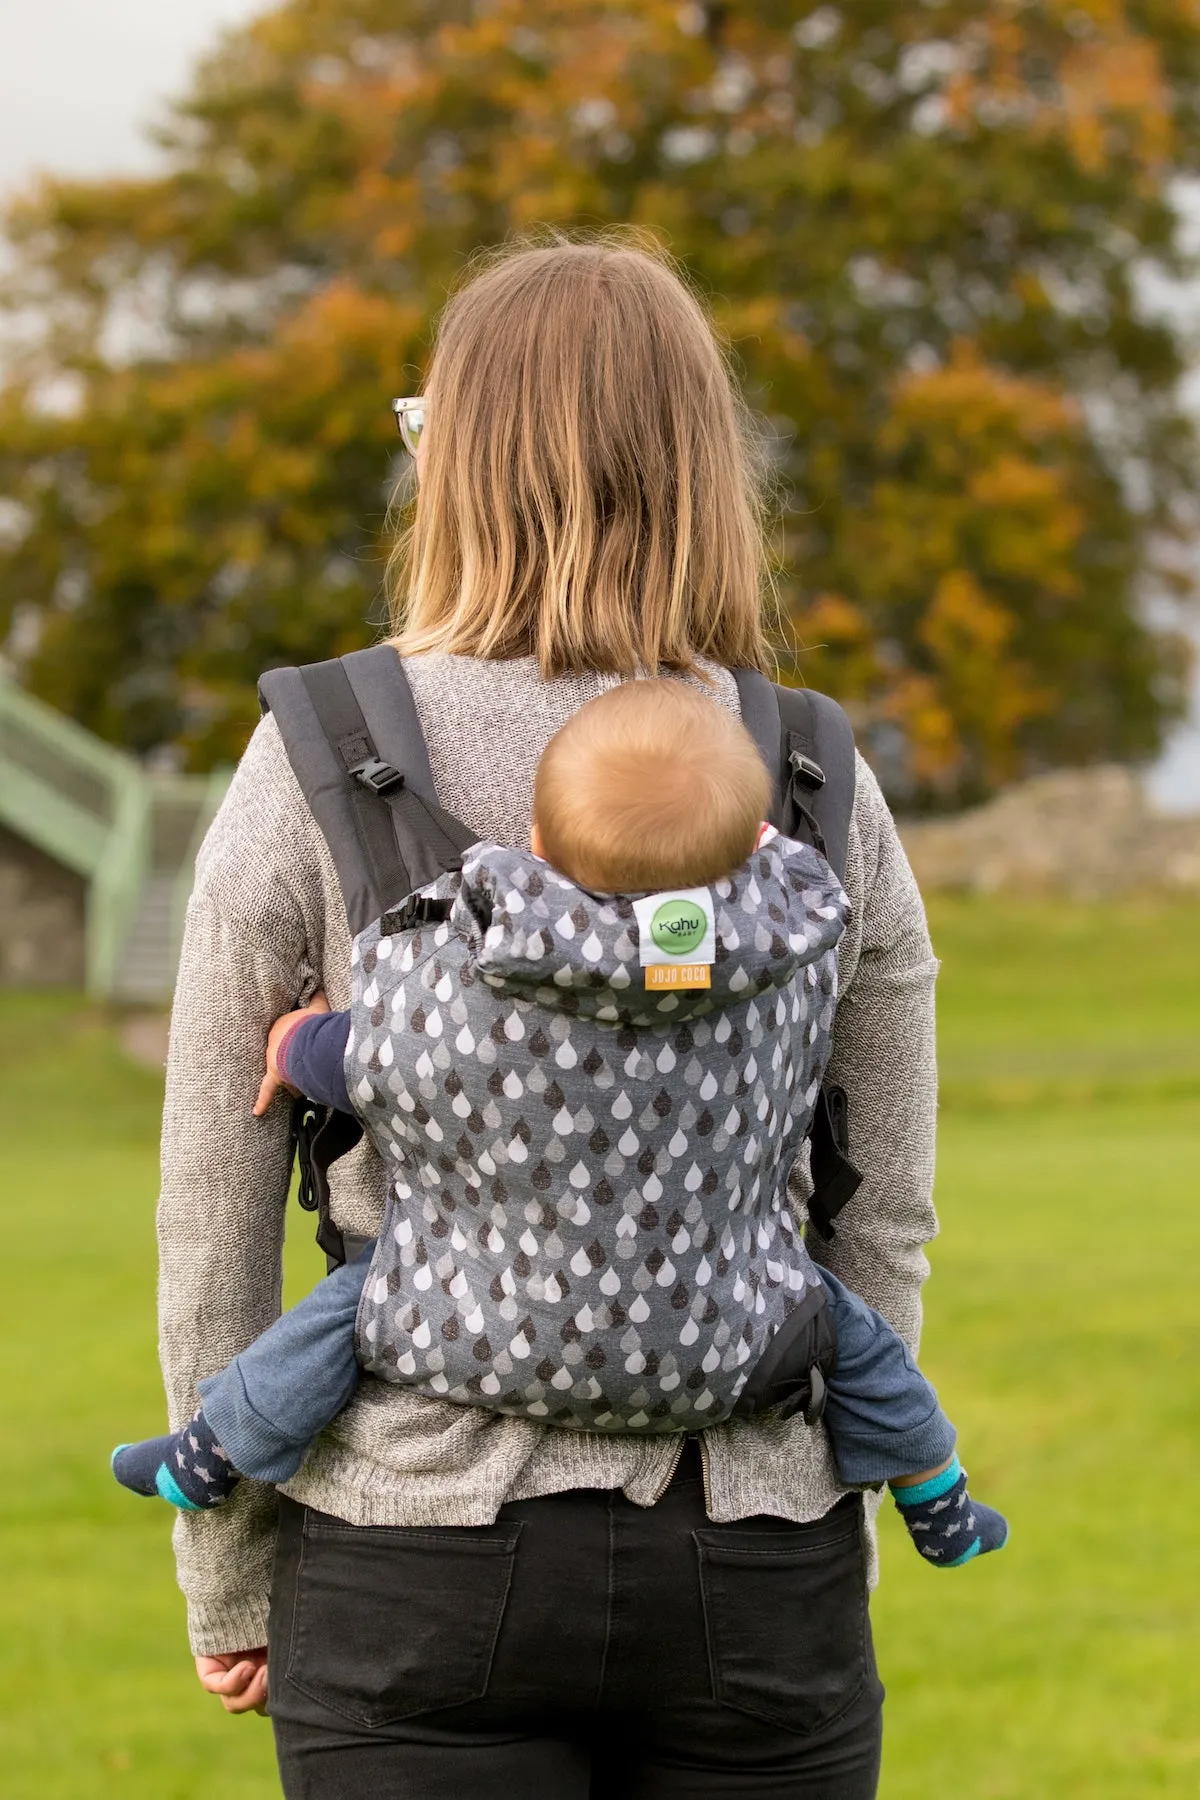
(79, 81)
(79, 78)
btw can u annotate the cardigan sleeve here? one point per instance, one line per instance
(884, 1057)
(225, 1174)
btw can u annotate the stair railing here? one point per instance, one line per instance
(89, 806)
(117, 883)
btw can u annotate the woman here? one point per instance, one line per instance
(463, 1603)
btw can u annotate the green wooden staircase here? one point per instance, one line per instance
(132, 836)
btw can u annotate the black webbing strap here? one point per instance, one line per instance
(400, 840)
(807, 743)
(759, 701)
(321, 1136)
(819, 769)
(791, 1375)
(407, 839)
(835, 1180)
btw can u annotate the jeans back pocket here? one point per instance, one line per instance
(785, 1609)
(390, 1621)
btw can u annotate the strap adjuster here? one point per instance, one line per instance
(376, 776)
(806, 770)
(417, 910)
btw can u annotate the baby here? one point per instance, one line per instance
(589, 1068)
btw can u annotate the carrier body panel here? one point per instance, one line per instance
(588, 1221)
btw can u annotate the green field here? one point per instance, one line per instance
(1061, 1328)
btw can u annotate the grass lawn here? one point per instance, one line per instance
(1062, 1329)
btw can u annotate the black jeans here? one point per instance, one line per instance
(581, 1648)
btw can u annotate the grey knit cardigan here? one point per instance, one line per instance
(265, 926)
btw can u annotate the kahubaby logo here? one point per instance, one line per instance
(676, 930)
(678, 927)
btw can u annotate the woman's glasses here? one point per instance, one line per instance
(410, 422)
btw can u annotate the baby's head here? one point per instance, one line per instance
(653, 785)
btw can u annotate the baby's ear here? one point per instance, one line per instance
(535, 841)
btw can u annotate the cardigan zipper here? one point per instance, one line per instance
(705, 1466)
(669, 1477)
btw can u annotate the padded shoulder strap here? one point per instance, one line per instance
(807, 743)
(760, 715)
(815, 727)
(353, 738)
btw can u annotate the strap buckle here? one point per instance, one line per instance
(320, 1136)
(378, 777)
(835, 1180)
(418, 909)
(814, 1406)
(806, 770)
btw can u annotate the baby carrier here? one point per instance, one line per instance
(587, 1221)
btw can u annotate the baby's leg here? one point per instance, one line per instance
(882, 1416)
(885, 1424)
(270, 1402)
(262, 1411)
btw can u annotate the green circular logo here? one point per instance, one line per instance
(678, 927)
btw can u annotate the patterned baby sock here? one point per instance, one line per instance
(946, 1525)
(188, 1467)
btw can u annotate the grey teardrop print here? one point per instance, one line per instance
(588, 1222)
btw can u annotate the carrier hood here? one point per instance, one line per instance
(536, 934)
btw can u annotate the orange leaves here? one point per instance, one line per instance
(979, 399)
(761, 319)
(836, 646)
(1030, 523)
(1116, 102)
(963, 626)
(1003, 446)
(997, 449)
(969, 536)
(1083, 73)
(917, 704)
(987, 692)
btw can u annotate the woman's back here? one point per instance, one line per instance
(487, 723)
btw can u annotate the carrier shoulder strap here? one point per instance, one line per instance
(807, 743)
(353, 738)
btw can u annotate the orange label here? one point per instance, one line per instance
(678, 975)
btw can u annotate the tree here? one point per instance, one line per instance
(922, 227)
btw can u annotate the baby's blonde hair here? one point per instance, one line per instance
(652, 785)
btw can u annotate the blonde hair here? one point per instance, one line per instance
(652, 785)
(588, 490)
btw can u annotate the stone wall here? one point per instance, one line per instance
(1086, 833)
(42, 911)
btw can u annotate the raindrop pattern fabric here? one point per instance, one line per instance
(588, 1223)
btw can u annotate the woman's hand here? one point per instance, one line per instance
(273, 1081)
(239, 1678)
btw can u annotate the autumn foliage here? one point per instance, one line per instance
(921, 226)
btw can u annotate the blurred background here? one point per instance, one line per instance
(954, 250)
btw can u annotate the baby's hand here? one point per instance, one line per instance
(273, 1081)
